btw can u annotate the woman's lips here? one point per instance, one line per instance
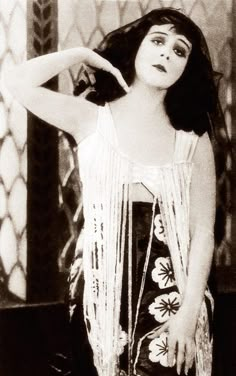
(160, 67)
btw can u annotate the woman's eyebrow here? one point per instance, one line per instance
(158, 32)
(161, 32)
(186, 44)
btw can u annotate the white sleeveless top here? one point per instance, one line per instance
(107, 177)
(140, 173)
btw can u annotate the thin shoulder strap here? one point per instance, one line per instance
(185, 145)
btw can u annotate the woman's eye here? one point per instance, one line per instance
(180, 51)
(158, 42)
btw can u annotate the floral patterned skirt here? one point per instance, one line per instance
(160, 300)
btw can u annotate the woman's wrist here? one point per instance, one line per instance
(76, 55)
(192, 305)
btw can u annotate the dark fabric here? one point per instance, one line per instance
(82, 357)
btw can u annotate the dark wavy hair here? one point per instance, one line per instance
(188, 102)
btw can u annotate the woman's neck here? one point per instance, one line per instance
(142, 105)
(146, 99)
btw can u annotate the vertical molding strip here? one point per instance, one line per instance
(42, 206)
(234, 134)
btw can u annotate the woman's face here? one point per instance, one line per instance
(162, 56)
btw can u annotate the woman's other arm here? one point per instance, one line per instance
(202, 219)
(182, 326)
(74, 115)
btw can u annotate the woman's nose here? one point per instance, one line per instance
(165, 55)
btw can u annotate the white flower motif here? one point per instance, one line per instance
(159, 230)
(163, 272)
(165, 306)
(159, 350)
(123, 340)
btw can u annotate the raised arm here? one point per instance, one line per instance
(74, 115)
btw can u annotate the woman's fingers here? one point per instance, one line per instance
(98, 62)
(180, 356)
(184, 353)
(107, 67)
(171, 351)
(189, 355)
(117, 74)
(180, 350)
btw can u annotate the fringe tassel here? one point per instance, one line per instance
(103, 261)
(130, 290)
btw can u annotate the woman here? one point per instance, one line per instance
(148, 175)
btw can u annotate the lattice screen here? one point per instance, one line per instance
(85, 22)
(13, 158)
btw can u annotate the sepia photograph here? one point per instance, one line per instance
(117, 187)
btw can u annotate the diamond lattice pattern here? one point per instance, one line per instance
(13, 162)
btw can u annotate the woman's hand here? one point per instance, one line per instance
(181, 346)
(94, 60)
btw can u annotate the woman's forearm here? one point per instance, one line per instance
(202, 218)
(200, 259)
(37, 71)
